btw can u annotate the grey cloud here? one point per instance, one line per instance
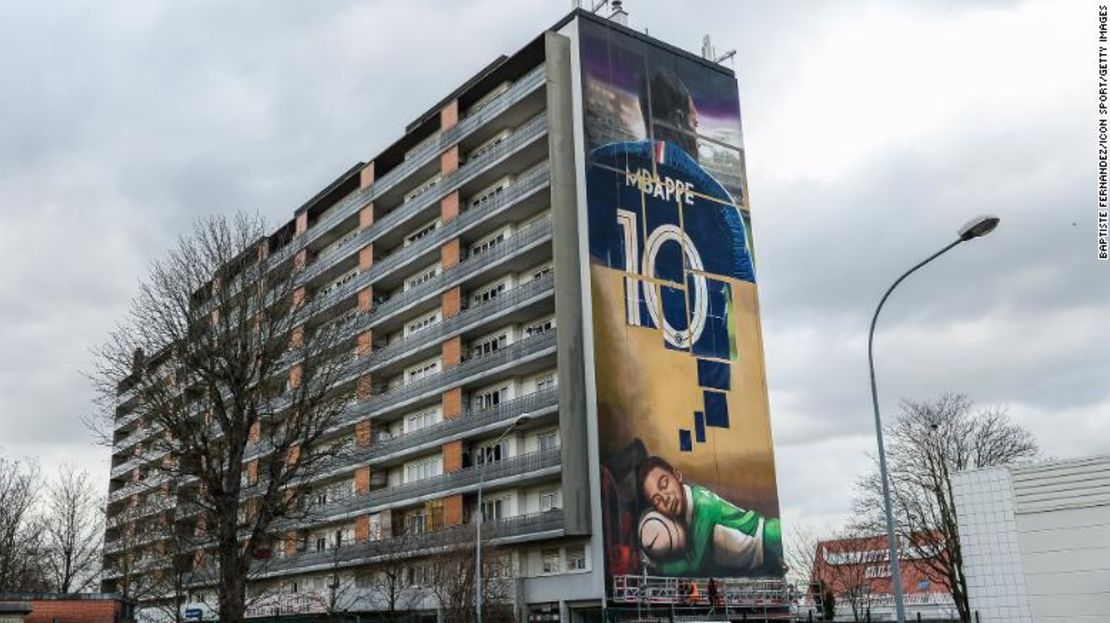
(120, 124)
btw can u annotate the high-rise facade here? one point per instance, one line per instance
(463, 257)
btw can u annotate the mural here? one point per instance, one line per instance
(688, 481)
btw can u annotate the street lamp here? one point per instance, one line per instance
(975, 228)
(520, 419)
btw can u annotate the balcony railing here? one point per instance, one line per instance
(450, 377)
(526, 238)
(519, 465)
(471, 316)
(418, 544)
(467, 319)
(521, 187)
(524, 135)
(354, 201)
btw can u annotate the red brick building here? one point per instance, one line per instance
(73, 607)
(858, 573)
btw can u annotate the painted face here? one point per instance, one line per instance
(663, 488)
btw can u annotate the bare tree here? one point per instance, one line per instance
(242, 387)
(21, 532)
(926, 444)
(800, 552)
(387, 579)
(455, 582)
(849, 565)
(74, 531)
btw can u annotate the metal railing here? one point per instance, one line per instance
(525, 134)
(354, 201)
(519, 465)
(524, 239)
(521, 187)
(472, 420)
(450, 377)
(419, 544)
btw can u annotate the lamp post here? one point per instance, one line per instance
(520, 419)
(975, 228)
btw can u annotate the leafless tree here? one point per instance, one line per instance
(800, 551)
(387, 577)
(21, 531)
(926, 444)
(847, 568)
(454, 578)
(74, 531)
(242, 387)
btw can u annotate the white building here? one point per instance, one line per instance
(1036, 541)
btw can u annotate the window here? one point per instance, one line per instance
(489, 453)
(490, 398)
(486, 245)
(416, 523)
(338, 244)
(421, 470)
(549, 440)
(421, 189)
(321, 543)
(488, 293)
(421, 420)
(420, 575)
(488, 146)
(549, 501)
(549, 560)
(421, 371)
(375, 527)
(489, 345)
(488, 194)
(576, 558)
(421, 278)
(540, 327)
(491, 510)
(338, 283)
(542, 271)
(545, 382)
(423, 323)
(421, 233)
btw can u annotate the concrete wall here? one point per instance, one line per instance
(1036, 541)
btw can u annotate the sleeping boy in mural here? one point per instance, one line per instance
(694, 532)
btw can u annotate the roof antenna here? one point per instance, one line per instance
(709, 52)
(619, 16)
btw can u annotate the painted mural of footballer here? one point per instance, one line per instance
(683, 528)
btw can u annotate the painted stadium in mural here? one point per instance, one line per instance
(687, 467)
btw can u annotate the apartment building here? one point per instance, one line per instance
(454, 258)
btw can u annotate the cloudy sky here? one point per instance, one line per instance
(873, 131)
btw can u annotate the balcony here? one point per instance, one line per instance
(541, 463)
(525, 135)
(352, 203)
(467, 371)
(537, 525)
